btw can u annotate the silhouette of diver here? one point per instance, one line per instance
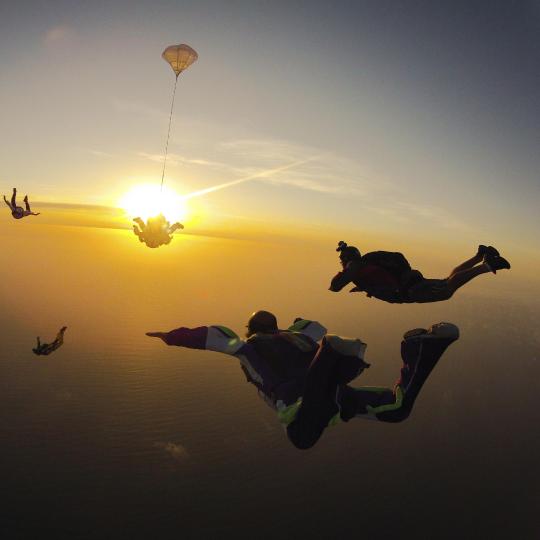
(388, 276)
(17, 211)
(48, 348)
(307, 383)
(156, 232)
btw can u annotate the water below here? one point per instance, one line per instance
(116, 435)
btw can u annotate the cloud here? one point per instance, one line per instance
(176, 451)
(321, 171)
(58, 34)
(431, 214)
(177, 159)
(99, 153)
(140, 109)
(284, 163)
(339, 176)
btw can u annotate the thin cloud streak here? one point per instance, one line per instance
(325, 174)
(176, 159)
(262, 174)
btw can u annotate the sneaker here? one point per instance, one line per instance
(416, 332)
(496, 263)
(487, 250)
(442, 330)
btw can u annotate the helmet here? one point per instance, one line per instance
(347, 253)
(262, 321)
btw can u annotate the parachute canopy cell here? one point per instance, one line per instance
(179, 57)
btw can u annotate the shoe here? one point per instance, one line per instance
(416, 332)
(442, 330)
(487, 250)
(496, 263)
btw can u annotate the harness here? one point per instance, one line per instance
(287, 356)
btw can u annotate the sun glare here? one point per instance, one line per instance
(147, 200)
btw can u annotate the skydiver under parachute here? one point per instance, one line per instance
(307, 383)
(18, 212)
(156, 232)
(389, 277)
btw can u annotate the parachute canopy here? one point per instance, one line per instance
(179, 57)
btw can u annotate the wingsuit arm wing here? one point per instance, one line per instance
(211, 338)
(312, 329)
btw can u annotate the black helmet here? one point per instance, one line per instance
(347, 253)
(262, 321)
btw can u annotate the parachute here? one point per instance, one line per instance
(157, 231)
(179, 57)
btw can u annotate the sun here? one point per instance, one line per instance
(147, 200)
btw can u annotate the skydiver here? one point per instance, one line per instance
(388, 276)
(47, 348)
(156, 232)
(17, 211)
(307, 383)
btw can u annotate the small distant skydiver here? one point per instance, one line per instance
(156, 231)
(48, 348)
(388, 276)
(307, 383)
(18, 212)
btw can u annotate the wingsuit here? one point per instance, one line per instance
(307, 383)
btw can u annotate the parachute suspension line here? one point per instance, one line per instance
(168, 134)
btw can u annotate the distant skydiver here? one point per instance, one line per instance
(156, 232)
(48, 348)
(388, 276)
(306, 383)
(17, 211)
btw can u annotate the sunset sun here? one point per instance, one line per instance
(147, 200)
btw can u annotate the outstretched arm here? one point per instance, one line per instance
(212, 338)
(8, 203)
(175, 226)
(341, 279)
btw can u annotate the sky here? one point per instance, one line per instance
(414, 120)
(408, 126)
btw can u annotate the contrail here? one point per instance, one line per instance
(263, 174)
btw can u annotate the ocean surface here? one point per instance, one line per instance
(116, 435)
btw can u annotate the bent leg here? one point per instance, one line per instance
(337, 361)
(27, 204)
(420, 351)
(14, 198)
